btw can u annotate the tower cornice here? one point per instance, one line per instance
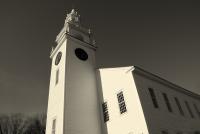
(63, 35)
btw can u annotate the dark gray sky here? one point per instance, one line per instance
(162, 38)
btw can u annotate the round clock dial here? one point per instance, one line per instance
(58, 57)
(81, 54)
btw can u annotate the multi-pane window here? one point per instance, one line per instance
(53, 126)
(153, 97)
(179, 106)
(121, 102)
(167, 102)
(105, 112)
(57, 76)
(189, 109)
(197, 110)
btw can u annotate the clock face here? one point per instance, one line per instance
(81, 54)
(58, 57)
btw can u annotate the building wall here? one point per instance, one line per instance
(160, 119)
(113, 81)
(82, 114)
(56, 93)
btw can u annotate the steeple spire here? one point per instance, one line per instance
(73, 17)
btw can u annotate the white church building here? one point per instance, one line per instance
(121, 100)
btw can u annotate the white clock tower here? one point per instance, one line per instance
(73, 106)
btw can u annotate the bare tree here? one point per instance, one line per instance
(36, 124)
(20, 124)
(4, 124)
(17, 123)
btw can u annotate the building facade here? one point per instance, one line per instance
(138, 102)
(124, 100)
(73, 105)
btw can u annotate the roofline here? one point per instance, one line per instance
(154, 77)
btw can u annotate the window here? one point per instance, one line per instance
(53, 126)
(57, 76)
(153, 97)
(189, 110)
(105, 112)
(167, 102)
(121, 102)
(179, 106)
(81, 54)
(58, 58)
(197, 110)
